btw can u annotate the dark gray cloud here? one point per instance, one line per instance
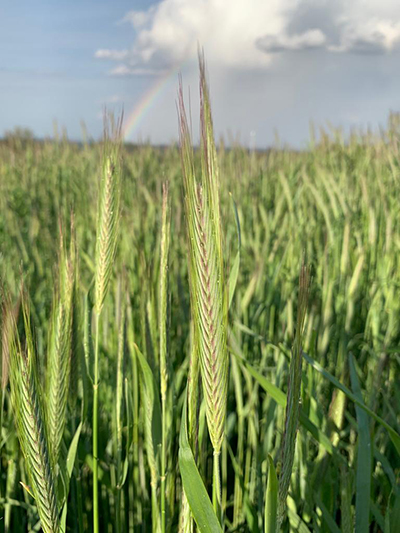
(358, 45)
(309, 40)
(376, 39)
(324, 14)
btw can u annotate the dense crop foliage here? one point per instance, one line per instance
(152, 334)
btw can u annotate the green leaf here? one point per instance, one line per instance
(329, 521)
(196, 493)
(387, 522)
(249, 511)
(378, 516)
(394, 436)
(394, 514)
(151, 389)
(63, 519)
(233, 275)
(296, 522)
(124, 473)
(364, 458)
(70, 466)
(271, 499)
(280, 398)
(72, 450)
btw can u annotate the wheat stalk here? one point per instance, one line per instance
(163, 327)
(293, 399)
(152, 438)
(119, 404)
(59, 355)
(77, 366)
(6, 333)
(29, 417)
(207, 288)
(107, 233)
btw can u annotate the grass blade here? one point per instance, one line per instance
(271, 499)
(394, 436)
(234, 273)
(199, 501)
(152, 429)
(364, 458)
(281, 399)
(293, 397)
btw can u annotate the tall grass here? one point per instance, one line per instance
(293, 395)
(163, 328)
(117, 409)
(27, 402)
(106, 243)
(59, 354)
(206, 273)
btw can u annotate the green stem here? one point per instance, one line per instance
(79, 495)
(95, 429)
(238, 496)
(224, 475)
(76, 489)
(163, 464)
(119, 408)
(135, 424)
(154, 504)
(217, 487)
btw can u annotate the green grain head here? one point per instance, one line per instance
(108, 213)
(206, 265)
(59, 352)
(27, 405)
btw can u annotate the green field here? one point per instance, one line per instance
(120, 357)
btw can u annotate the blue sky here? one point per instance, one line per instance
(273, 66)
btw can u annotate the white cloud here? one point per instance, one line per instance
(114, 55)
(247, 34)
(124, 70)
(138, 19)
(169, 33)
(373, 36)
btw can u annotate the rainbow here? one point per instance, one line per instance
(148, 99)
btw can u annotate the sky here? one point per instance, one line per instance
(274, 66)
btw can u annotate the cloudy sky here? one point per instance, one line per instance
(274, 65)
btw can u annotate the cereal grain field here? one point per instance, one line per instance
(200, 339)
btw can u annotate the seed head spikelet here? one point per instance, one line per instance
(163, 324)
(9, 315)
(77, 365)
(109, 213)
(59, 355)
(27, 405)
(163, 293)
(206, 271)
